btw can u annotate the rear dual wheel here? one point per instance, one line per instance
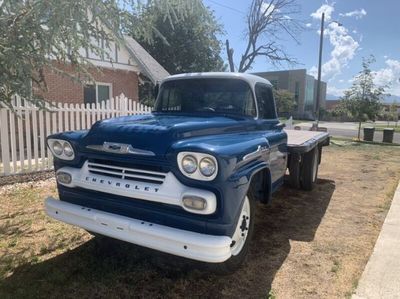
(309, 169)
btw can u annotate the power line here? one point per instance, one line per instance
(226, 6)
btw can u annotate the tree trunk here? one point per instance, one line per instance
(229, 53)
(359, 130)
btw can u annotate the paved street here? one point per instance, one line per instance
(347, 129)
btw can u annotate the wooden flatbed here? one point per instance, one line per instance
(304, 141)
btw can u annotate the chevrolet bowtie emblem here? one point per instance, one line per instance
(120, 148)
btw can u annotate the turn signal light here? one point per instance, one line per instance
(194, 203)
(64, 178)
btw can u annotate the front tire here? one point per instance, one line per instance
(241, 238)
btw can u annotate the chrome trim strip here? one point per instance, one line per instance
(257, 153)
(119, 148)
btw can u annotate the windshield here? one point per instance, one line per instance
(219, 96)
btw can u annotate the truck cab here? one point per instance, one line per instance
(184, 179)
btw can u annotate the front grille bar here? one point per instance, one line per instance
(127, 173)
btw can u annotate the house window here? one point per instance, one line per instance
(97, 93)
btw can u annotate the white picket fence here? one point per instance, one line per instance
(23, 131)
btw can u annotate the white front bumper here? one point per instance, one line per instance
(192, 245)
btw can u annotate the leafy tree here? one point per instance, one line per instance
(35, 33)
(284, 100)
(186, 44)
(31, 32)
(363, 100)
(391, 114)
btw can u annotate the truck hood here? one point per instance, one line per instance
(157, 132)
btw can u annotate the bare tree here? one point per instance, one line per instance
(266, 23)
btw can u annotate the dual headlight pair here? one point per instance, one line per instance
(198, 166)
(61, 149)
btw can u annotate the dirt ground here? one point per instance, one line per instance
(307, 244)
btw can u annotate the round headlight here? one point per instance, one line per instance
(207, 167)
(68, 151)
(57, 148)
(189, 164)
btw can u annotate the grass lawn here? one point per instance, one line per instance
(307, 244)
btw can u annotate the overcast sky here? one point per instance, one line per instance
(368, 27)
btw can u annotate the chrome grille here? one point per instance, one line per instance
(126, 173)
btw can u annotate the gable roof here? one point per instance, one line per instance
(150, 67)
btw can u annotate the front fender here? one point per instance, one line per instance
(239, 156)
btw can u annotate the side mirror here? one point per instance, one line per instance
(156, 90)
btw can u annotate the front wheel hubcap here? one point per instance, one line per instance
(242, 228)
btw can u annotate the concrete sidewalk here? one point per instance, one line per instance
(381, 277)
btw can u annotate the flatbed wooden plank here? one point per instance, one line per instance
(305, 140)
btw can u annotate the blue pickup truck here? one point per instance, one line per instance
(186, 178)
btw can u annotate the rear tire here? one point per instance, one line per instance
(241, 238)
(309, 169)
(294, 170)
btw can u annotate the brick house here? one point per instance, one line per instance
(122, 72)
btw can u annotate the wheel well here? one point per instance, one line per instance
(260, 186)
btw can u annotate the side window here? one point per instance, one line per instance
(171, 99)
(97, 93)
(265, 101)
(89, 94)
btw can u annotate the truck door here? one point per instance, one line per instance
(268, 120)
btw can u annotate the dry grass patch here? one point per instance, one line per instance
(28, 236)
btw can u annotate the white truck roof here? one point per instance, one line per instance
(251, 79)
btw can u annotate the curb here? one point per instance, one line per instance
(381, 276)
(355, 140)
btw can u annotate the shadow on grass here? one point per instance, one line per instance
(117, 269)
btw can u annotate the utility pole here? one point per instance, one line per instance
(321, 41)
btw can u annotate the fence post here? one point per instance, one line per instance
(41, 140)
(78, 117)
(28, 135)
(87, 109)
(72, 117)
(21, 147)
(35, 136)
(48, 132)
(82, 116)
(66, 117)
(5, 144)
(13, 140)
(60, 117)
